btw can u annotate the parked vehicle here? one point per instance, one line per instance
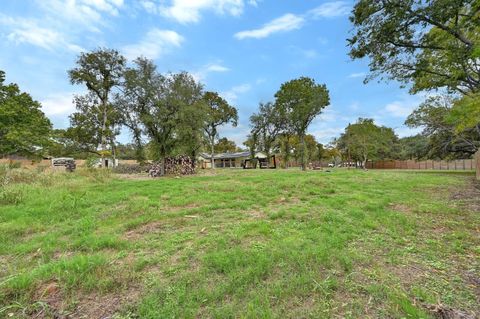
(64, 162)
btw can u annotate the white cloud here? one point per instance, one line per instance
(357, 75)
(155, 43)
(290, 21)
(87, 13)
(406, 131)
(254, 3)
(238, 134)
(216, 68)
(232, 95)
(331, 10)
(204, 71)
(284, 23)
(28, 31)
(189, 11)
(399, 109)
(58, 104)
(326, 134)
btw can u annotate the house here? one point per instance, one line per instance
(227, 160)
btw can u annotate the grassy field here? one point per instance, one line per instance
(240, 244)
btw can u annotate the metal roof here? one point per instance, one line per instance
(227, 155)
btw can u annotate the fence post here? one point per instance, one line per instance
(477, 164)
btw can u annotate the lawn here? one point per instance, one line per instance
(241, 244)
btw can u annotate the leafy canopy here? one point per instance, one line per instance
(24, 128)
(299, 101)
(432, 44)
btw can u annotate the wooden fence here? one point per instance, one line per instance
(460, 165)
(477, 160)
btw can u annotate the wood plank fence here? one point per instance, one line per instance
(477, 159)
(459, 165)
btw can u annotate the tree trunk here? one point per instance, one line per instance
(302, 153)
(104, 129)
(114, 153)
(212, 148)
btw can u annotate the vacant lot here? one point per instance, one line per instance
(250, 244)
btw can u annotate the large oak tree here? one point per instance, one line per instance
(100, 71)
(300, 101)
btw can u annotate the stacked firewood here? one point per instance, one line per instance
(180, 165)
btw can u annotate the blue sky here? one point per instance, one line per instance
(243, 49)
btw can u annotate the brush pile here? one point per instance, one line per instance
(180, 165)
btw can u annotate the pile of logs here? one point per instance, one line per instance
(180, 165)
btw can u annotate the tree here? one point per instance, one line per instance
(413, 147)
(100, 71)
(320, 152)
(165, 107)
(24, 128)
(252, 144)
(267, 124)
(364, 140)
(85, 125)
(431, 44)
(218, 112)
(434, 116)
(465, 113)
(224, 145)
(300, 101)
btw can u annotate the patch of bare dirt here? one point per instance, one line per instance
(139, 232)
(54, 303)
(468, 197)
(401, 208)
(444, 312)
(256, 214)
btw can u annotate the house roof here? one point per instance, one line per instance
(228, 155)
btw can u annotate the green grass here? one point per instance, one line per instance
(240, 244)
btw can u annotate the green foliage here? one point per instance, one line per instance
(168, 109)
(414, 147)
(224, 145)
(431, 44)
(364, 140)
(441, 123)
(300, 101)
(24, 128)
(218, 112)
(465, 113)
(267, 125)
(96, 120)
